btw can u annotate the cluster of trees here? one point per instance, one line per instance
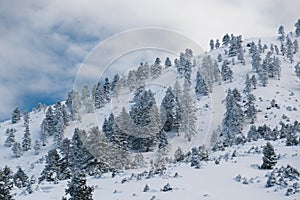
(287, 47)
(19, 179)
(288, 131)
(232, 127)
(208, 74)
(26, 144)
(185, 64)
(269, 67)
(56, 119)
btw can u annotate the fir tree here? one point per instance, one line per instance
(297, 70)
(281, 33)
(241, 56)
(296, 46)
(297, 25)
(211, 44)
(106, 89)
(168, 63)
(289, 49)
(81, 155)
(234, 117)
(86, 99)
(26, 143)
(156, 68)
(37, 147)
(179, 155)
(263, 77)
(6, 183)
(253, 134)
(250, 108)
(201, 88)
(188, 113)
(10, 140)
(20, 178)
(78, 189)
(114, 82)
(26, 117)
(256, 59)
(162, 140)
(17, 150)
(226, 39)
(16, 116)
(217, 45)
(67, 160)
(226, 72)
(270, 158)
(168, 106)
(254, 81)
(52, 168)
(100, 96)
(220, 59)
(131, 80)
(248, 85)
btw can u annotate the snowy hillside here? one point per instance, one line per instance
(218, 157)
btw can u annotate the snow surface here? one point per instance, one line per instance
(211, 181)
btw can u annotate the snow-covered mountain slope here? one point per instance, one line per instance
(216, 177)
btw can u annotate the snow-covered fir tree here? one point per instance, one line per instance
(67, 160)
(211, 44)
(217, 45)
(156, 68)
(21, 178)
(15, 116)
(6, 183)
(10, 140)
(17, 149)
(253, 134)
(297, 25)
(263, 77)
(235, 45)
(26, 117)
(78, 188)
(81, 155)
(26, 143)
(168, 63)
(226, 72)
(162, 140)
(87, 99)
(201, 88)
(142, 73)
(37, 147)
(168, 110)
(289, 49)
(188, 113)
(219, 58)
(99, 96)
(297, 70)
(250, 108)
(295, 46)
(281, 33)
(270, 158)
(52, 168)
(226, 39)
(233, 119)
(131, 80)
(179, 155)
(240, 56)
(106, 89)
(253, 81)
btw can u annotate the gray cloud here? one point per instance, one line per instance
(43, 42)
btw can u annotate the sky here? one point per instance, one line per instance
(43, 43)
